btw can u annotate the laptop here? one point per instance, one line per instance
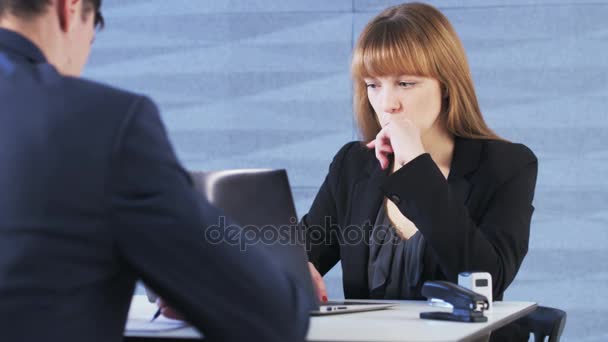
(260, 201)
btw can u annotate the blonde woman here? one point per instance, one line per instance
(431, 191)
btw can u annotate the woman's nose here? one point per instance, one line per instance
(390, 102)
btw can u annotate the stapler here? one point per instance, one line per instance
(468, 305)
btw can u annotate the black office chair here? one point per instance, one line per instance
(544, 322)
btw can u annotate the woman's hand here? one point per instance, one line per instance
(318, 283)
(400, 137)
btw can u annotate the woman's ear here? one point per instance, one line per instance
(444, 91)
(445, 99)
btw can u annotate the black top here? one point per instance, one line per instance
(476, 220)
(395, 265)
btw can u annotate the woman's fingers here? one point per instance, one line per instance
(383, 147)
(318, 283)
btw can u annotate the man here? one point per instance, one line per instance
(92, 198)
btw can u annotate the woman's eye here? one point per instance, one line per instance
(370, 85)
(407, 84)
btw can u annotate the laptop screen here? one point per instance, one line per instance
(261, 203)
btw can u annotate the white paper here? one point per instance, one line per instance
(158, 325)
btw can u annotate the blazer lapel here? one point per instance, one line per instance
(465, 161)
(467, 154)
(366, 201)
(369, 194)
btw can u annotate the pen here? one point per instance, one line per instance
(155, 315)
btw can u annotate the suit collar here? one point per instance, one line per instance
(467, 156)
(20, 46)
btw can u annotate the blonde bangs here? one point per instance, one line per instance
(390, 48)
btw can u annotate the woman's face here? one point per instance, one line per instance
(418, 98)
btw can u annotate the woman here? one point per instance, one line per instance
(432, 191)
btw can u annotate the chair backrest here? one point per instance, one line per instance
(544, 322)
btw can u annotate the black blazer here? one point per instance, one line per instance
(477, 220)
(92, 198)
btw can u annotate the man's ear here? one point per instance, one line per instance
(68, 12)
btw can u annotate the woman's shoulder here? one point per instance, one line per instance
(353, 153)
(353, 161)
(503, 152)
(503, 159)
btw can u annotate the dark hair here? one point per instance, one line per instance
(32, 8)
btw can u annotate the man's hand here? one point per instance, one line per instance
(167, 311)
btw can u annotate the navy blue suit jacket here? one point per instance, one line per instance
(93, 198)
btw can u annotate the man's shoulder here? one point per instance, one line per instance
(98, 93)
(105, 102)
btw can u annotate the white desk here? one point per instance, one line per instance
(401, 323)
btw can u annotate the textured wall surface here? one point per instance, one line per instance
(265, 83)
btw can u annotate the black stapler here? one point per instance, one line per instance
(468, 305)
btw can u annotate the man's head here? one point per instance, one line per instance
(62, 29)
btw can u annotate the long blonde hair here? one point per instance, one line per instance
(417, 39)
